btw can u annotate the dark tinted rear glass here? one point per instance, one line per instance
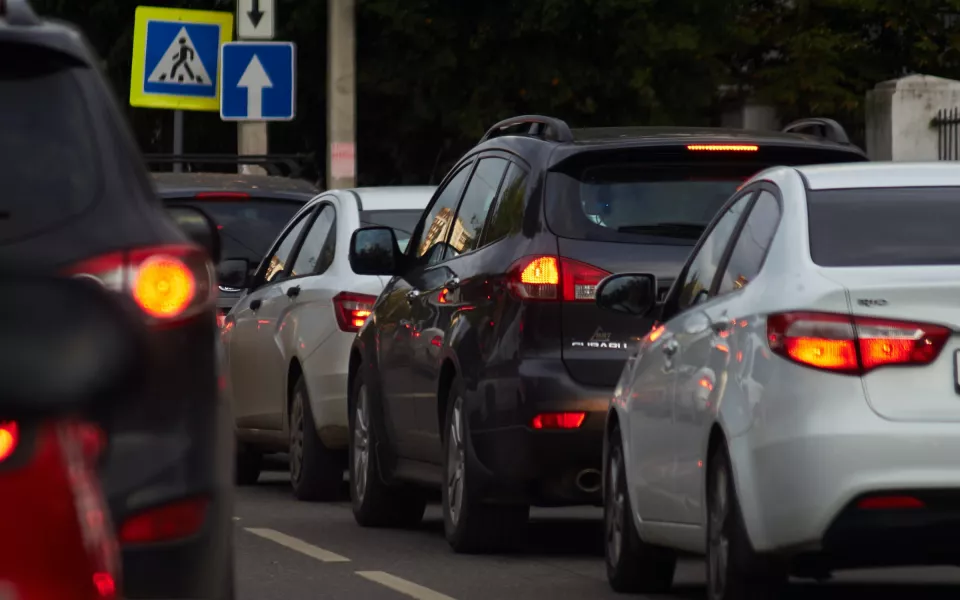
(247, 227)
(657, 195)
(48, 165)
(403, 222)
(884, 227)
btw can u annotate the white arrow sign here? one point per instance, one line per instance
(256, 19)
(255, 79)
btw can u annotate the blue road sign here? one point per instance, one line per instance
(176, 58)
(258, 81)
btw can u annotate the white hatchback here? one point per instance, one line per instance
(797, 409)
(287, 340)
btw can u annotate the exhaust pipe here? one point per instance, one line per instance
(589, 481)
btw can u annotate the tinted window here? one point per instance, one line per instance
(436, 225)
(278, 262)
(704, 266)
(247, 228)
(752, 245)
(508, 215)
(884, 227)
(403, 222)
(472, 213)
(316, 253)
(48, 157)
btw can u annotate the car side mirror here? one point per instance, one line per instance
(375, 251)
(235, 273)
(632, 294)
(199, 227)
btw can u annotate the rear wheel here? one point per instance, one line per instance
(734, 570)
(316, 472)
(376, 504)
(470, 525)
(249, 463)
(633, 566)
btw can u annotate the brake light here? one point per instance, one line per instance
(722, 147)
(352, 310)
(889, 503)
(173, 521)
(168, 283)
(565, 420)
(222, 196)
(9, 438)
(550, 278)
(851, 344)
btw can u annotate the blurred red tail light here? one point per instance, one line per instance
(564, 420)
(9, 438)
(851, 344)
(168, 283)
(553, 278)
(173, 521)
(352, 310)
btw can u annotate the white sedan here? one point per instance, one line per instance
(797, 408)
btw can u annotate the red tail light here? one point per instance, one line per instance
(9, 438)
(169, 283)
(889, 503)
(352, 310)
(552, 278)
(227, 196)
(566, 420)
(168, 522)
(853, 345)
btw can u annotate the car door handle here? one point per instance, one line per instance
(413, 294)
(293, 292)
(255, 304)
(670, 347)
(452, 283)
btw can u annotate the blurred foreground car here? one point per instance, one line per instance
(505, 407)
(77, 201)
(58, 538)
(250, 210)
(287, 341)
(798, 410)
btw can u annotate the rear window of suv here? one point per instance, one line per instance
(657, 195)
(884, 227)
(48, 162)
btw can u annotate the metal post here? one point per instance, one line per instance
(341, 95)
(178, 139)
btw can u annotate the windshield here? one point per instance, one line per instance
(402, 222)
(247, 227)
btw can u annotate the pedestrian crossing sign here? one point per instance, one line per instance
(176, 58)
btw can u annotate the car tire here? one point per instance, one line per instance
(376, 504)
(316, 472)
(470, 525)
(734, 570)
(249, 463)
(633, 566)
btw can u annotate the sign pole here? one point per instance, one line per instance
(341, 95)
(255, 21)
(178, 139)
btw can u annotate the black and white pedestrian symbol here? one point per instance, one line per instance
(180, 64)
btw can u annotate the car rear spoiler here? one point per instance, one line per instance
(282, 165)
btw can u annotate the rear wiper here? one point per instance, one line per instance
(693, 230)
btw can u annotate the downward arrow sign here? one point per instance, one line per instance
(255, 14)
(255, 79)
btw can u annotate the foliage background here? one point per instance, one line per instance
(432, 75)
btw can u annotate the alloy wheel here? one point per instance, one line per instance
(296, 438)
(455, 462)
(361, 444)
(616, 501)
(719, 542)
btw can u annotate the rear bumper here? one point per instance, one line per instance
(519, 464)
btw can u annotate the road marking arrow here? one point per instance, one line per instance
(255, 79)
(255, 14)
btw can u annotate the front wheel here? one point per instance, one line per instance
(633, 566)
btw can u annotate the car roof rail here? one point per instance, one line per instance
(827, 129)
(547, 128)
(18, 12)
(277, 165)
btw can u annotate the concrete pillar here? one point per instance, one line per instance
(341, 95)
(899, 114)
(757, 117)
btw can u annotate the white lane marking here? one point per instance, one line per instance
(407, 588)
(298, 545)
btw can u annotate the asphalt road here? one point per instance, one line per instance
(290, 550)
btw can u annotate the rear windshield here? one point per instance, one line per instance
(884, 227)
(48, 160)
(403, 222)
(647, 198)
(247, 227)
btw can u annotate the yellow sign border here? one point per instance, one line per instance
(144, 15)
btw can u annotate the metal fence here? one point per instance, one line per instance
(947, 123)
